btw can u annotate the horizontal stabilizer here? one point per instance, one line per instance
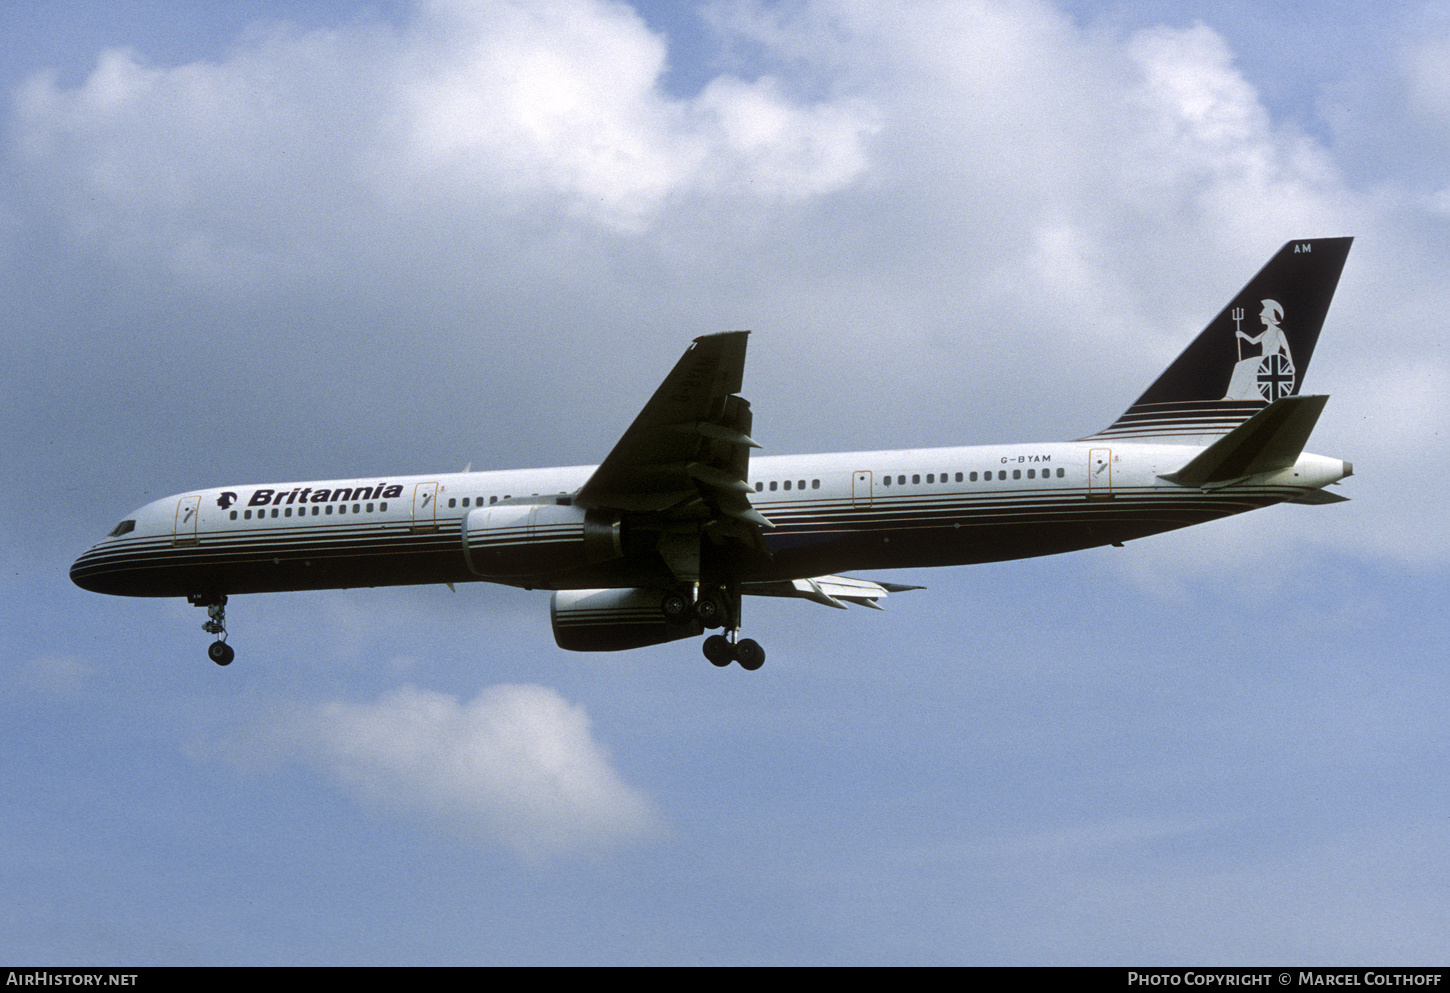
(830, 591)
(1319, 497)
(1272, 439)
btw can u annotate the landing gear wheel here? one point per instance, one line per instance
(216, 623)
(749, 654)
(676, 608)
(719, 650)
(709, 612)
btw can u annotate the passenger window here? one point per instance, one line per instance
(772, 486)
(234, 515)
(900, 480)
(885, 480)
(815, 484)
(915, 478)
(787, 484)
(1016, 473)
(801, 485)
(759, 487)
(452, 502)
(1031, 473)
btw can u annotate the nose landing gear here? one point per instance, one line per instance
(216, 623)
(220, 652)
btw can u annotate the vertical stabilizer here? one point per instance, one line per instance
(1254, 352)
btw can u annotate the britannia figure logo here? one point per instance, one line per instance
(1269, 374)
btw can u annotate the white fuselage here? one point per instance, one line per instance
(831, 513)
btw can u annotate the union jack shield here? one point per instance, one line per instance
(1276, 377)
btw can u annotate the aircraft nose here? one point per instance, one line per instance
(101, 571)
(83, 573)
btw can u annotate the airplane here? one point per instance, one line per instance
(665, 538)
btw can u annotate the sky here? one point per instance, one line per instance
(263, 241)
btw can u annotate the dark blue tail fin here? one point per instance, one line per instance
(1254, 352)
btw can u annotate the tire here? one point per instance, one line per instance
(719, 650)
(709, 612)
(675, 608)
(220, 652)
(749, 654)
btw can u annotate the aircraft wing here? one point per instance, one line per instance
(687, 454)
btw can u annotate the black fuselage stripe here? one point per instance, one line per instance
(214, 550)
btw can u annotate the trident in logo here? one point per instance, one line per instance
(1270, 374)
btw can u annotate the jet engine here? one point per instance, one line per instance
(613, 620)
(512, 540)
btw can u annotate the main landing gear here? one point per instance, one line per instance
(721, 651)
(714, 609)
(216, 623)
(679, 606)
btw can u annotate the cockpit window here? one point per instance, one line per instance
(125, 527)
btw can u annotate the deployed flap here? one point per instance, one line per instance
(689, 448)
(1272, 439)
(832, 591)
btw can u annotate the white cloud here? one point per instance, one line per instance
(967, 208)
(1427, 78)
(1216, 143)
(486, 106)
(516, 765)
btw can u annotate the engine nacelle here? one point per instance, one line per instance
(514, 540)
(613, 620)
